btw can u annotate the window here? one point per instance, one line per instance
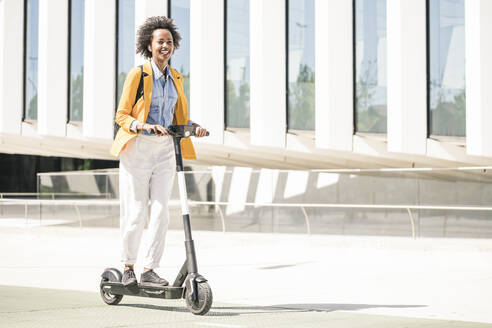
(126, 42)
(76, 60)
(180, 12)
(237, 63)
(446, 37)
(31, 60)
(370, 66)
(300, 64)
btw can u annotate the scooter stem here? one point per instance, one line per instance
(181, 180)
(190, 247)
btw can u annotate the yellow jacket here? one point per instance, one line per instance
(127, 112)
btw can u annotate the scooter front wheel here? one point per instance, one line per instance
(107, 297)
(204, 302)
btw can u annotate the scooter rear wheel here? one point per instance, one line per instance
(107, 297)
(204, 302)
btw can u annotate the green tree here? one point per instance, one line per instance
(238, 104)
(448, 118)
(370, 117)
(77, 96)
(301, 100)
(32, 107)
(121, 82)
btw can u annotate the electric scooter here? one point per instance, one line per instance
(196, 290)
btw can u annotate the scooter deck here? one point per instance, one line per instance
(167, 292)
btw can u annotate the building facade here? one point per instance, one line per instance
(281, 83)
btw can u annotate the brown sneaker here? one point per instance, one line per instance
(151, 278)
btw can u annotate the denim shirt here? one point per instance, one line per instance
(164, 98)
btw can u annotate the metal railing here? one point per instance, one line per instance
(51, 195)
(439, 189)
(303, 207)
(77, 203)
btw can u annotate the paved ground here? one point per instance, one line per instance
(33, 307)
(49, 278)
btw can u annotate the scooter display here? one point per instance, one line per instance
(189, 284)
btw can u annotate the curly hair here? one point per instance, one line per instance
(144, 33)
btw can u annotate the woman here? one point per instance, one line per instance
(147, 159)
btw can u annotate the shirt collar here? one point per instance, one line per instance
(158, 73)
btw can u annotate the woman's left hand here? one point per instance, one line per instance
(199, 131)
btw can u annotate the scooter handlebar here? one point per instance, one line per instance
(183, 131)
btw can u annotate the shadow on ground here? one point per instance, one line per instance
(224, 311)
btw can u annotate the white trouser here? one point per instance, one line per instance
(147, 168)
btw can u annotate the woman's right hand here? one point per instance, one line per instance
(159, 130)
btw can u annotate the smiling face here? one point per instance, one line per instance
(161, 46)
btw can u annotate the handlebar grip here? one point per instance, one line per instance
(194, 133)
(181, 131)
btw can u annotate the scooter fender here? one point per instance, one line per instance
(112, 274)
(191, 284)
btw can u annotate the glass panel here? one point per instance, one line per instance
(31, 69)
(442, 202)
(237, 64)
(301, 65)
(126, 41)
(447, 67)
(180, 12)
(370, 68)
(76, 60)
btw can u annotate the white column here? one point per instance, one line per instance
(268, 73)
(99, 69)
(52, 67)
(478, 56)
(11, 65)
(143, 10)
(334, 74)
(407, 76)
(207, 66)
